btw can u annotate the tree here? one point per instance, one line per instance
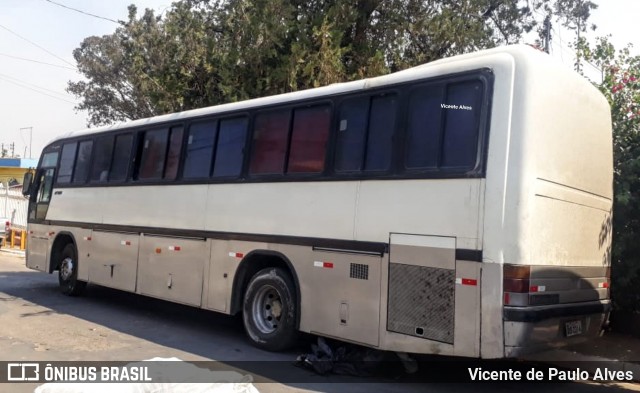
(621, 87)
(207, 52)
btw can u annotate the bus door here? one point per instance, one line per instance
(39, 233)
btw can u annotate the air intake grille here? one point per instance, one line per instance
(421, 301)
(359, 271)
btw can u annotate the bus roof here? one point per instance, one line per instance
(435, 68)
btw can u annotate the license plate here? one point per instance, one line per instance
(573, 328)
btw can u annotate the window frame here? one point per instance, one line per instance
(397, 169)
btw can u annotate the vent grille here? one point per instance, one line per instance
(359, 271)
(421, 301)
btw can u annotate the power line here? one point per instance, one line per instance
(37, 91)
(37, 61)
(82, 12)
(32, 85)
(36, 45)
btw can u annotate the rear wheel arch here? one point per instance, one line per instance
(251, 264)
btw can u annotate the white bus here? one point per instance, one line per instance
(462, 207)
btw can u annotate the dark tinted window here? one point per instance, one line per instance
(81, 171)
(67, 160)
(423, 128)
(352, 128)
(270, 138)
(121, 157)
(460, 147)
(199, 151)
(382, 120)
(173, 155)
(154, 150)
(102, 158)
(309, 139)
(365, 133)
(230, 148)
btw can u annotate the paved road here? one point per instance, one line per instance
(37, 323)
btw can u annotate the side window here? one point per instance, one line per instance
(154, 150)
(232, 137)
(352, 131)
(423, 127)
(67, 159)
(199, 151)
(173, 154)
(81, 169)
(121, 157)
(270, 139)
(365, 133)
(382, 121)
(46, 185)
(50, 159)
(102, 158)
(309, 139)
(462, 124)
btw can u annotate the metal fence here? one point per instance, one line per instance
(13, 206)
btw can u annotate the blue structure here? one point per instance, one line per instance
(18, 162)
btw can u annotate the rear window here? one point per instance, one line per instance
(462, 124)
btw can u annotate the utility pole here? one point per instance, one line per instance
(547, 33)
(30, 139)
(13, 149)
(578, 65)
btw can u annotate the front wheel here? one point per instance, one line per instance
(68, 272)
(269, 310)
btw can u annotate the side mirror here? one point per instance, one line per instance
(27, 182)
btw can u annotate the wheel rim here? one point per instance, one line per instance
(66, 268)
(267, 309)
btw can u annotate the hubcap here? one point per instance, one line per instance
(267, 309)
(66, 268)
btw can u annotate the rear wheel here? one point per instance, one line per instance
(68, 272)
(269, 310)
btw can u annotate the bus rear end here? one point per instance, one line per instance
(556, 259)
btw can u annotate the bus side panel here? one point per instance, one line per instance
(172, 268)
(39, 247)
(114, 260)
(341, 297)
(468, 293)
(444, 207)
(226, 256)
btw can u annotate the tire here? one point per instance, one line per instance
(68, 272)
(269, 310)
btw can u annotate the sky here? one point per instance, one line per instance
(34, 107)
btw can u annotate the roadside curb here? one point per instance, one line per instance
(12, 252)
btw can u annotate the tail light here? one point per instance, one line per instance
(607, 282)
(515, 284)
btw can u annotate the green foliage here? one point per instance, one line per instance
(207, 52)
(621, 86)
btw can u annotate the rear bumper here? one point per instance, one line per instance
(533, 329)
